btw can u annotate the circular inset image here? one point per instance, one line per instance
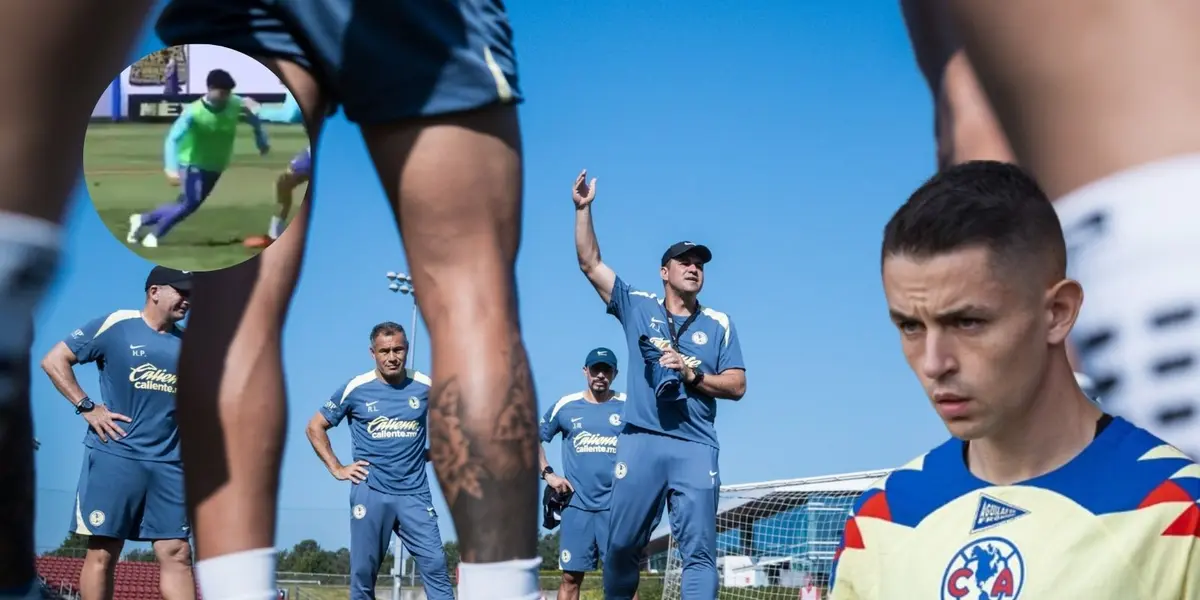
(203, 159)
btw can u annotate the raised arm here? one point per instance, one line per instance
(260, 133)
(288, 112)
(587, 249)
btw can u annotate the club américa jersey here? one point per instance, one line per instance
(709, 343)
(1120, 521)
(589, 449)
(138, 376)
(387, 428)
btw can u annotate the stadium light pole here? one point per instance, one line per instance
(401, 283)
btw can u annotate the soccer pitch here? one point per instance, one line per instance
(123, 168)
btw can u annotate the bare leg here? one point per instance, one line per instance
(1085, 88)
(175, 580)
(967, 128)
(231, 373)
(285, 189)
(568, 589)
(455, 185)
(99, 568)
(44, 115)
(1099, 100)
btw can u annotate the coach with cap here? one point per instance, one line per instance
(589, 423)
(131, 486)
(668, 446)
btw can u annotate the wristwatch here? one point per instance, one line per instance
(697, 378)
(85, 405)
(546, 472)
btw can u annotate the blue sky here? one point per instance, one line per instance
(781, 135)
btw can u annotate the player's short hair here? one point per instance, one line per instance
(220, 79)
(387, 328)
(983, 203)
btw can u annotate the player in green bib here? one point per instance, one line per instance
(198, 149)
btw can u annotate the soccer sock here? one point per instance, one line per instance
(508, 580)
(29, 249)
(276, 228)
(246, 575)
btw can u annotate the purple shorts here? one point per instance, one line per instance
(301, 164)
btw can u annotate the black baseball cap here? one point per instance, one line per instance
(160, 275)
(680, 248)
(601, 356)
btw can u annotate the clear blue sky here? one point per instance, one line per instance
(782, 135)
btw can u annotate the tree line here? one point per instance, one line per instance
(309, 557)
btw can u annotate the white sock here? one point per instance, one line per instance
(29, 249)
(246, 575)
(508, 580)
(276, 228)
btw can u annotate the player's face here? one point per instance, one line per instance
(975, 338)
(599, 377)
(684, 274)
(390, 350)
(174, 303)
(218, 98)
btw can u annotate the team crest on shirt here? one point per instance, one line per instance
(96, 518)
(359, 511)
(614, 419)
(620, 470)
(989, 568)
(699, 338)
(992, 512)
(414, 402)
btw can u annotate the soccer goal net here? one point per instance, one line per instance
(777, 539)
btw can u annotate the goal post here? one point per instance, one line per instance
(777, 539)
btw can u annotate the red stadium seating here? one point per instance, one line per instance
(134, 580)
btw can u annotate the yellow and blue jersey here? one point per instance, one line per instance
(1121, 520)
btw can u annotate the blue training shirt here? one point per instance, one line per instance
(589, 449)
(709, 343)
(138, 376)
(387, 427)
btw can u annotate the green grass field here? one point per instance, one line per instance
(123, 168)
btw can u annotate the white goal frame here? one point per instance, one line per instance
(799, 525)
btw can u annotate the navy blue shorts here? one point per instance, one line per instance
(582, 539)
(381, 60)
(130, 499)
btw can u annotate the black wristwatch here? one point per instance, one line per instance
(546, 472)
(697, 378)
(85, 405)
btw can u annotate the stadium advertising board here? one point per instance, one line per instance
(158, 107)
